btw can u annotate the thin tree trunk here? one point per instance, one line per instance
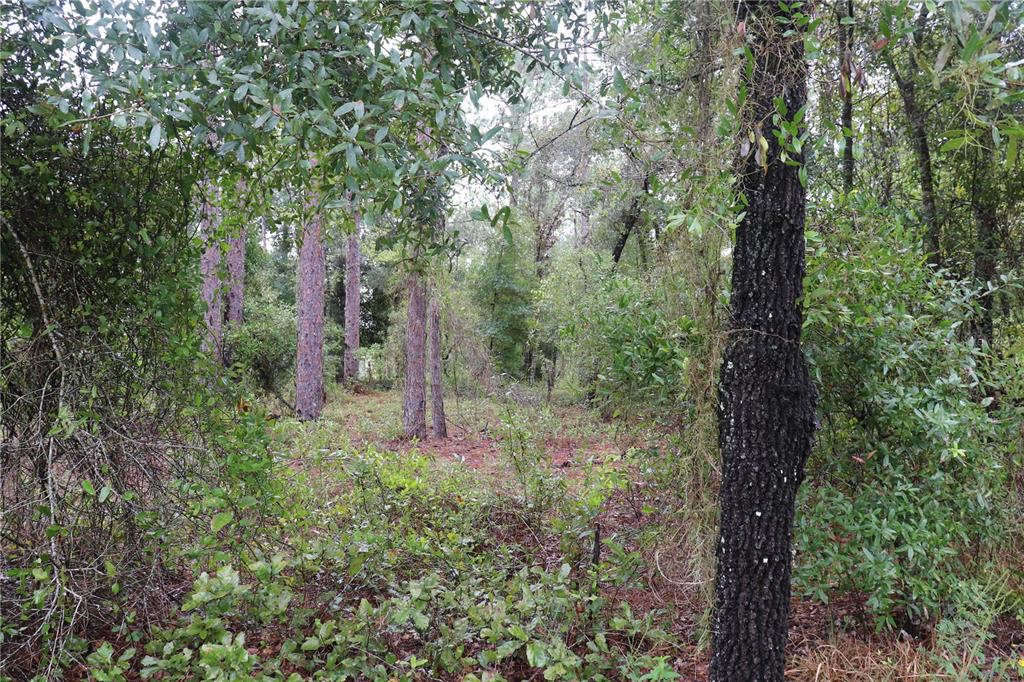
(352, 303)
(986, 242)
(846, 71)
(552, 374)
(309, 302)
(922, 153)
(707, 38)
(631, 219)
(209, 266)
(436, 388)
(767, 417)
(414, 405)
(236, 273)
(584, 228)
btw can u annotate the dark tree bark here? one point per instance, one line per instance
(436, 389)
(209, 266)
(922, 152)
(630, 220)
(706, 63)
(846, 71)
(414, 404)
(917, 122)
(309, 302)
(986, 242)
(352, 310)
(767, 418)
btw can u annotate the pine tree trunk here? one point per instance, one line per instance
(309, 303)
(436, 389)
(236, 271)
(209, 266)
(767, 418)
(352, 292)
(236, 278)
(414, 405)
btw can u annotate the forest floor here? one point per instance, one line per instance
(537, 541)
(546, 479)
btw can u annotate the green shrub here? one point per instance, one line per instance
(906, 482)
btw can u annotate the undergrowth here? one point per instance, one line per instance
(395, 563)
(388, 565)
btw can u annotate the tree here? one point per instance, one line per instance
(846, 77)
(414, 403)
(352, 295)
(209, 266)
(436, 389)
(917, 119)
(767, 418)
(986, 246)
(309, 302)
(236, 271)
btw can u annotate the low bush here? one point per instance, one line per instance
(906, 496)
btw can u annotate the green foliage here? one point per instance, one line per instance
(133, 464)
(410, 578)
(105, 667)
(631, 353)
(908, 479)
(503, 291)
(264, 347)
(122, 427)
(357, 108)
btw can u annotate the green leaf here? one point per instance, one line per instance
(620, 82)
(508, 648)
(220, 520)
(420, 620)
(105, 493)
(156, 134)
(953, 144)
(536, 654)
(87, 487)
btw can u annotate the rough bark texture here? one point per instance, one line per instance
(439, 422)
(846, 70)
(414, 404)
(209, 266)
(309, 302)
(630, 220)
(236, 278)
(767, 418)
(236, 271)
(352, 292)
